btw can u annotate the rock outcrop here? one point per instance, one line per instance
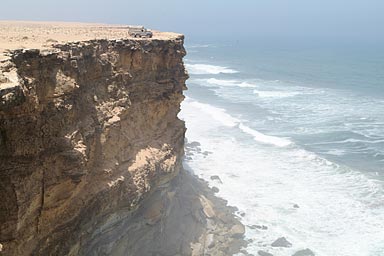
(305, 252)
(91, 152)
(87, 130)
(281, 242)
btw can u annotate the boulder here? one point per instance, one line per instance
(281, 242)
(217, 178)
(264, 253)
(209, 241)
(258, 227)
(194, 144)
(237, 231)
(305, 252)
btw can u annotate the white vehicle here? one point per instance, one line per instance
(139, 31)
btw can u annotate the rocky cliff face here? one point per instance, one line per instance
(87, 132)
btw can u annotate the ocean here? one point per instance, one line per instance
(295, 133)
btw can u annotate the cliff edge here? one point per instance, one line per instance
(90, 145)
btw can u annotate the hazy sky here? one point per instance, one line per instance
(198, 18)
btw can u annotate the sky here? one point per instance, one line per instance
(336, 19)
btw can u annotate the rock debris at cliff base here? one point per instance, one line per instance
(181, 218)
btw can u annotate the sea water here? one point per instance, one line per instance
(296, 135)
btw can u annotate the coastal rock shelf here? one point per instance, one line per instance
(90, 148)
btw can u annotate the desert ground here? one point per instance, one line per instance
(41, 35)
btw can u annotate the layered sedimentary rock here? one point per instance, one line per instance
(91, 151)
(86, 129)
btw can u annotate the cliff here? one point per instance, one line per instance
(90, 145)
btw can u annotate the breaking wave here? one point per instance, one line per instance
(204, 69)
(227, 120)
(233, 83)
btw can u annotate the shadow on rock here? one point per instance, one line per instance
(180, 218)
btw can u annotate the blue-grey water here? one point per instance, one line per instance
(296, 133)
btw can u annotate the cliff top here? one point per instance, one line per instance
(42, 35)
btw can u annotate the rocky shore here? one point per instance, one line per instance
(183, 217)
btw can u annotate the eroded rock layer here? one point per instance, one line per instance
(87, 131)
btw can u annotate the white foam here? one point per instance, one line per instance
(275, 94)
(267, 139)
(199, 46)
(338, 206)
(205, 69)
(226, 119)
(336, 152)
(233, 83)
(216, 113)
(350, 140)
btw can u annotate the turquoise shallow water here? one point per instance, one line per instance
(293, 124)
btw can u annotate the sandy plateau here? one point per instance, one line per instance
(42, 35)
